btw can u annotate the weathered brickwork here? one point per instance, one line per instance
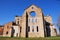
(36, 25)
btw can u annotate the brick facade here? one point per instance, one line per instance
(29, 26)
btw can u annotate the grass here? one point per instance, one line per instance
(18, 38)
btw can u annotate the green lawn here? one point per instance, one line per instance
(16, 38)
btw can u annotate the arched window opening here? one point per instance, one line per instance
(37, 29)
(28, 28)
(17, 22)
(32, 8)
(32, 28)
(32, 20)
(6, 32)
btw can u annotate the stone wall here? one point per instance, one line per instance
(7, 28)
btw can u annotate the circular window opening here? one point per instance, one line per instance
(33, 14)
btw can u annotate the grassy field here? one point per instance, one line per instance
(16, 38)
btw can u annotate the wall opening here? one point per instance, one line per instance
(32, 14)
(17, 22)
(6, 32)
(12, 31)
(32, 28)
(48, 31)
(28, 28)
(37, 29)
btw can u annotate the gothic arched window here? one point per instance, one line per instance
(17, 22)
(37, 29)
(28, 28)
(32, 20)
(32, 28)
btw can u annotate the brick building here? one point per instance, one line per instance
(32, 23)
(1, 30)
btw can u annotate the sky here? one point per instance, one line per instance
(10, 8)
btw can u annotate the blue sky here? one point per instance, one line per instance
(10, 8)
